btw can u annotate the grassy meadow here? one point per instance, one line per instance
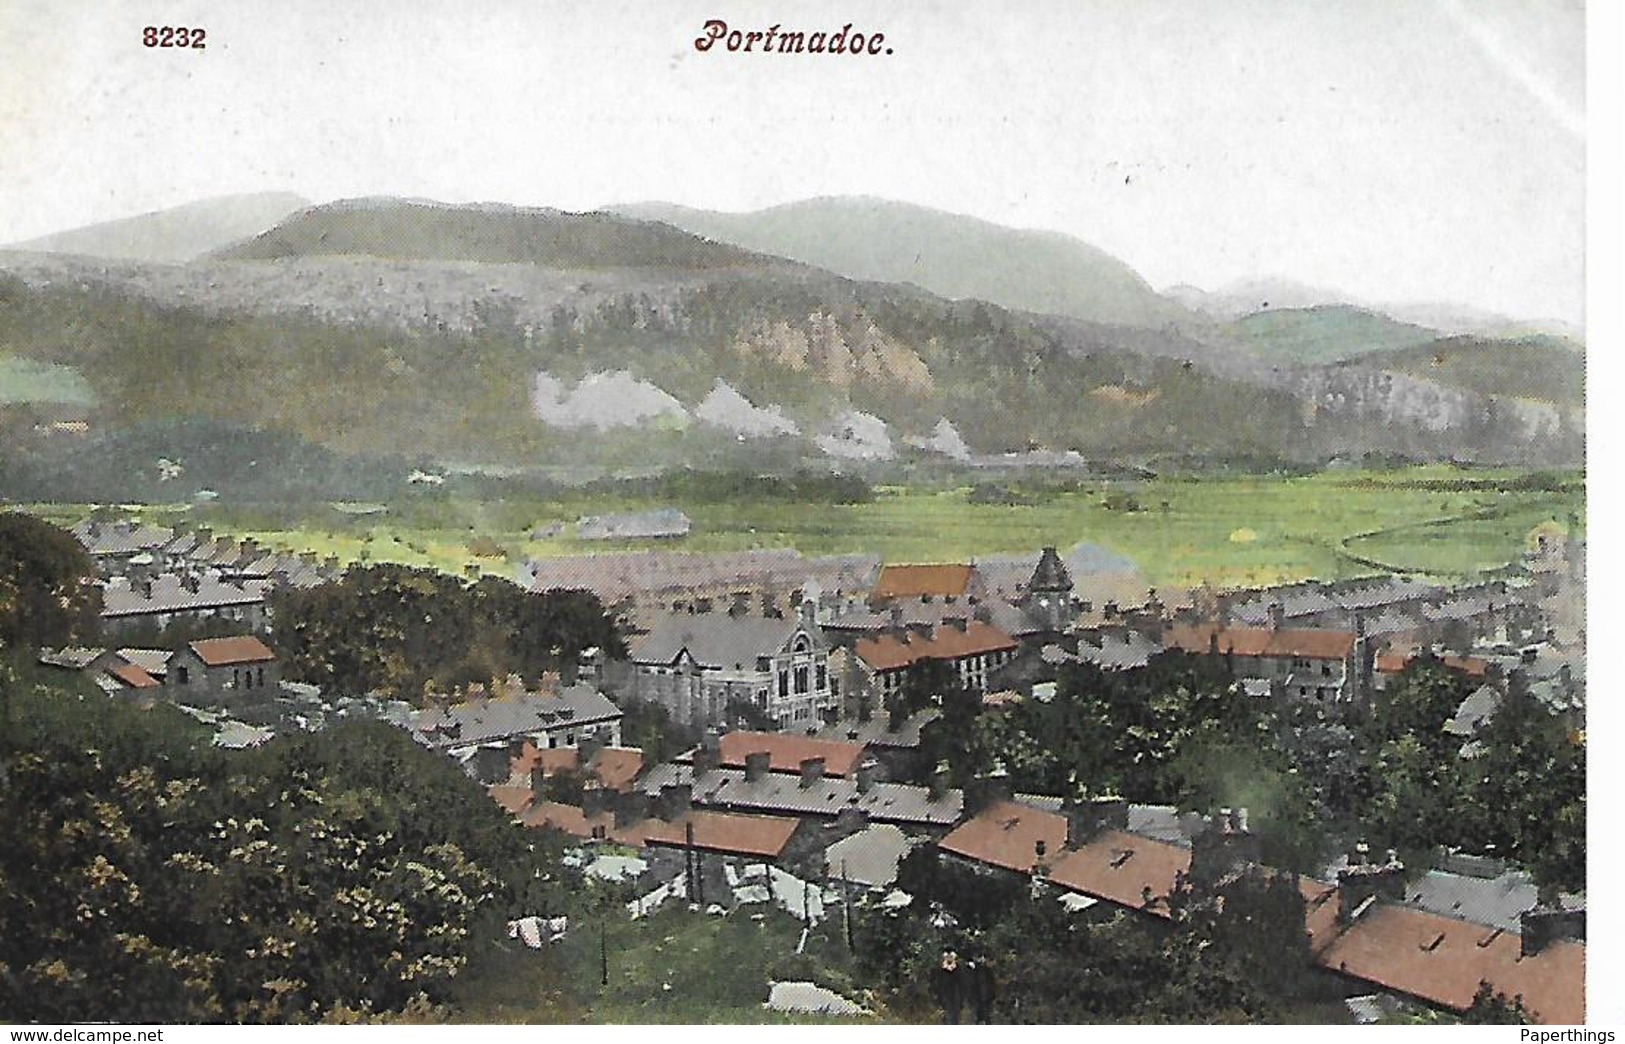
(1232, 531)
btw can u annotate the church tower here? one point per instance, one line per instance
(1049, 593)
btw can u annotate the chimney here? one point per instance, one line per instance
(1541, 927)
(191, 582)
(756, 764)
(247, 548)
(630, 808)
(141, 585)
(1359, 884)
(937, 786)
(1225, 845)
(956, 622)
(205, 536)
(308, 557)
(331, 563)
(868, 770)
(549, 685)
(1277, 616)
(595, 801)
(675, 801)
(896, 616)
(588, 748)
(987, 790)
(708, 755)
(812, 770)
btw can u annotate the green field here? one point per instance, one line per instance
(1244, 531)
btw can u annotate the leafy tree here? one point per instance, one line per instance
(47, 592)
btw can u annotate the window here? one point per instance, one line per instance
(1325, 670)
(823, 677)
(784, 685)
(801, 680)
(236, 678)
(182, 675)
(259, 681)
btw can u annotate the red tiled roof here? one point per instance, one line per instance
(243, 648)
(551, 761)
(945, 643)
(133, 676)
(1443, 960)
(1395, 662)
(617, 768)
(1321, 904)
(787, 751)
(725, 832)
(1007, 834)
(514, 800)
(1238, 641)
(570, 819)
(1119, 867)
(1310, 644)
(917, 581)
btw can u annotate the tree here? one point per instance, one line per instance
(47, 592)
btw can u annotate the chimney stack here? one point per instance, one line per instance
(1277, 616)
(675, 801)
(937, 786)
(1540, 927)
(812, 771)
(756, 765)
(708, 755)
(1361, 882)
(595, 801)
(868, 770)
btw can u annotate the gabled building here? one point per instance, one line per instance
(695, 666)
(222, 670)
(949, 584)
(1317, 666)
(973, 649)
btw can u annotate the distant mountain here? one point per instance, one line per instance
(1246, 296)
(176, 235)
(1325, 333)
(406, 230)
(948, 254)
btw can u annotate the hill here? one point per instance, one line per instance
(950, 255)
(1322, 334)
(414, 230)
(175, 235)
(1543, 368)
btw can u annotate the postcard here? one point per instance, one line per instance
(876, 515)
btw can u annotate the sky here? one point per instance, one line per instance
(1415, 151)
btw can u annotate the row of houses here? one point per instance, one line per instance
(1436, 937)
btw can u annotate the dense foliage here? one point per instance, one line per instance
(47, 590)
(1234, 955)
(148, 877)
(410, 633)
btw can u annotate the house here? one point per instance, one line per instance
(135, 601)
(644, 586)
(613, 768)
(869, 857)
(222, 670)
(786, 752)
(1321, 666)
(695, 666)
(486, 732)
(973, 650)
(949, 584)
(717, 833)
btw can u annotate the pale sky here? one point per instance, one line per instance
(1424, 150)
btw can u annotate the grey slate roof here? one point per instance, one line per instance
(120, 538)
(73, 658)
(784, 794)
(508, 718)
(868, 857)
(874, 733)
(715, 640)
(1474, 711)
(168, 595)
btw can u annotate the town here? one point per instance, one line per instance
(909, 753)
